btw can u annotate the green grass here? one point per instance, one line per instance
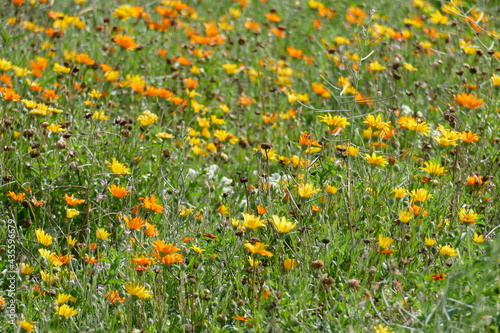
(255, 161)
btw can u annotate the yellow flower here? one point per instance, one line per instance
(47, 277)
(253, 262)
(405, 216)
(43, 238)
(376, 66)
(307, 190)
(252, 222)
(63, 298)
(409, 67)
(231, 68)
(27, 326)
(447, 250)
(420, 195)
(433, 168)
(478, 238)
(118, 167)
(384, 243)
(495, 80)
(282, 225)
(26, 269)
(71, 241)
(288, 264)
(147, 118)
(376, 160)
(45, 253)
(102, 234)
(430, 241)
(70, 213)
(65, 311)
(335, 121)
(164, 135)
(331, 189)
(381, 329)
(258, 248)
(197, 249)
(467, 216)
(136, 289)
(55, 128)
(223, 210)
(398, 192)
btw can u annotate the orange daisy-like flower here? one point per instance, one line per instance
(118, 191)
(16, 197)
(70, 200)
(135, 223)
(161, 247)
(171, 259)
(150, 203)
(468, 100)
(126, 42)
(438, 277)
(113, 297)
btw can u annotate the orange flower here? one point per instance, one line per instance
(16, 197)
(135, 223)
(293, 52)
(70, 200)
(355, 15)
(320, 89)
(84, 59)
(150, 203)
(468, 100)
(469, 137)
(363, 100)
(113, 297)
(126, 42)
(273, 17)
(438, 277)
(252, 25)
(170, 259)
(118, 191)
(161, 247)
(245, 100)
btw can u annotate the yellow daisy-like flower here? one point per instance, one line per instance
(468, 216)
(71, 212)
(102, 234)
(399, 192)
(118, 167)
(478, 238)
(433, 168)
(282, 225)
(65, 311)
(26, 269)
(43, 238)
(288, 264)
(447, 250)
(63, 298)
(147, 118)
(307, 190)
(376, 160)
(27, 326)
(334, 121)
(258, 248)
(55, 128)
(136, 289)
(421, 195)
(164, 135)
(405, 216)
(252, 222)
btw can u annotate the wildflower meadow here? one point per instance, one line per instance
(249, 166)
